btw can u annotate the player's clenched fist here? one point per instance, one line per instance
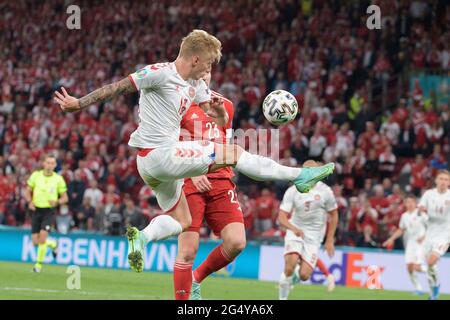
(66, 101)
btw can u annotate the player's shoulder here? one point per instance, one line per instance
(429, 192)
(291, 190)
(323, 187)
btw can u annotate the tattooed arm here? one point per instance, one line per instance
(108, 92)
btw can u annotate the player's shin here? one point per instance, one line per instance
(285, 284)
(433, 280)
(41, 251)
(182, 280)
(216, 260)
(261, 168)
(415, 281)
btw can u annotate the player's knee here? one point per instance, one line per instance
(237, 245)
(289, 270)
(187, 255)
(304, 276)
(185, 222)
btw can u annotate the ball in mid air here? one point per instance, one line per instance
(280, 107)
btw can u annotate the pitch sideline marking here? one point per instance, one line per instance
(71, 291)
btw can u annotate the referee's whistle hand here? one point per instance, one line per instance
(31, 206)
(53, 203)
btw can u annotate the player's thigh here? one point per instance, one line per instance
(188, 242)
(436, 248)
(181, 212)
(197, 206)
(233, 235)
(168, 194)
(290, 261)
(182, 160)
(223, 209)
(306, 270)
(36, 223)
(309, 259)
(226, 155)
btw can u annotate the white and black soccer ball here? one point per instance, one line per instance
(280, 107)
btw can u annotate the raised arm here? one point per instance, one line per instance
(108, 92)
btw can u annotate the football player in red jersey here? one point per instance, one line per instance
(213, 197)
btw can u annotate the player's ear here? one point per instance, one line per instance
(195, 60)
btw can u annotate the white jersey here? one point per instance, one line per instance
(164, 99)
(438, 211)
(413, 224)
(309, 210)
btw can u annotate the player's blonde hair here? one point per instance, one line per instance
(199, 41)
(443, 171)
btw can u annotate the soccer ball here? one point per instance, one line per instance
(280, 107)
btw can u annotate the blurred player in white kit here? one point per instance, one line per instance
(413, 227)
(436, 204)
(167, 90)
(306, 230)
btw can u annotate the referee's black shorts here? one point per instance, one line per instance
(42, 219)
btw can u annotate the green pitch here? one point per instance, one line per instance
(18, 282)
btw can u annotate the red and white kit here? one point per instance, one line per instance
(219, 206)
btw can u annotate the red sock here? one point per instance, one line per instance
(322, 267)
(216, 260)
(182, 280)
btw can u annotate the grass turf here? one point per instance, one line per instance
(18, 282)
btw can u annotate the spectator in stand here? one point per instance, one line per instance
(265, 211)
(76, 190)
(367, 221)
(317, 144)
(94, 194)
(84, 216)
(387, 162)
(379, 202)
(132, 216)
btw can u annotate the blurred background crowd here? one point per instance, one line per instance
(361, 105)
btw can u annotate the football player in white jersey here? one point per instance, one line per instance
(166, 91)
(306, 230)
(436, 204)
(413, 226)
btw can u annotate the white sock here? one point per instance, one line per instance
(284, 286)
(415, 281)
(433, 276)
(261, 168)
(162, 227)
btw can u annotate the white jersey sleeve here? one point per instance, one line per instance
(424, 200)
(202, 93)
(330, 200)
(151, 76)
(287, 204)
(402, 223)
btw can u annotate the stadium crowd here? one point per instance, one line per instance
(381, 154)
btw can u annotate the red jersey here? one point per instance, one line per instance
(200, 126)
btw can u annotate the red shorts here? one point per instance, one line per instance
(219, 206)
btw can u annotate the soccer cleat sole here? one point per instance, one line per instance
(135, 258)
(306, 187)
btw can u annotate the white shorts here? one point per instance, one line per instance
(414, 252)
(164, 168)
(437, 246)
(307, 251)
